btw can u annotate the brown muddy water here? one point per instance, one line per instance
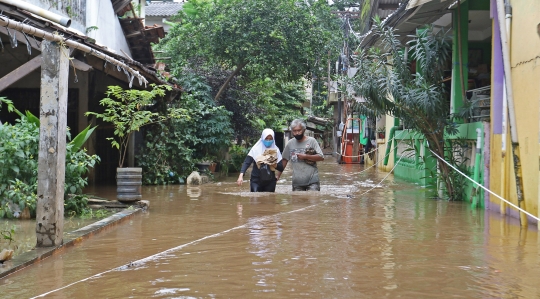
(220, 241)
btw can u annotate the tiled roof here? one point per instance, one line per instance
(162, 9)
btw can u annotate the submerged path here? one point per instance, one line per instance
(220, 241)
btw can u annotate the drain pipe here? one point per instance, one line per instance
(476, 174)
(508, 10)
(66, 22)
(511, 112)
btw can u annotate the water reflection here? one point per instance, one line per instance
(393, 241)
(193, 192)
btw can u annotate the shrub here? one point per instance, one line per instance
(19, 163)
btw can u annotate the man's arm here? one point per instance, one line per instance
(315, 158)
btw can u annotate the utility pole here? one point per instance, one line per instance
(342, 65)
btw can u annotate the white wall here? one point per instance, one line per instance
(87, 13)
(75, 7)
(100, 13)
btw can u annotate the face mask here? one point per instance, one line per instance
(299, 137)
(268, 143)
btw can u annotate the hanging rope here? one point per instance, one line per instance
(389, 173)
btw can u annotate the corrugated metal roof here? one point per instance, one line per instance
(384, 13)
(162, 9)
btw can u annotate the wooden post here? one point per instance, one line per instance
(52, 144)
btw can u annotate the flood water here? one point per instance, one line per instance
(221, 241)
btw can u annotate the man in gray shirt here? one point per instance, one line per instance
(305, 174)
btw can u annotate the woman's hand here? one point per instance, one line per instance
(240, 179)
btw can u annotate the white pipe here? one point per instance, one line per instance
(507, 72)
(66, 22)
(504, 119)
(18, 26)
(508, 10)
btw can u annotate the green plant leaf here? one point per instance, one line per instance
(15, 168)
(32, 118)
(81, 138)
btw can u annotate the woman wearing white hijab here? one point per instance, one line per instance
(266, 142)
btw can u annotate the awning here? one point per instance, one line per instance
(415, 3)
(410, 15)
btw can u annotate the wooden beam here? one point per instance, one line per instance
(111, 70)
(81, 66)
(20, 72)
(78, 64)
(388, 6)
(136, 33)
(52, 145)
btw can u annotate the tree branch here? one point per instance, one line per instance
(231, 76)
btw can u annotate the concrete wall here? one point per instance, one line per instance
(525, 64)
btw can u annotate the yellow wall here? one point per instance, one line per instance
(525, 63)
(389, 123)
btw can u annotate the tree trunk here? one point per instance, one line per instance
(231, 76)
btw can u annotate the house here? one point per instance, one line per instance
(506, 122)
(108, 44)
(161, 12)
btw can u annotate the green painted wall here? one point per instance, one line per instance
(411, 167)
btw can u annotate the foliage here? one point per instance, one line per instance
(165, 157)
(8, 235)
(281, 102)
(173, 147)
(75, 204)
(78, 162)
(19, 164)
(255, 104)
(94, 214)
(319, 101)
(238, 155)
(10, 106)
(125, 109)
(456, 149)
(419, 100)
(266, 38)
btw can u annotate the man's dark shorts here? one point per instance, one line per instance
(310, 187)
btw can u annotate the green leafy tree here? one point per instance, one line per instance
(265, 38)
(172, 147)
(127, 111)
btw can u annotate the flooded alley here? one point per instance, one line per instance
(354, 239)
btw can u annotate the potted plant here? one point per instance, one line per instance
(381, 131)
(206, 163)
(125, 110)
